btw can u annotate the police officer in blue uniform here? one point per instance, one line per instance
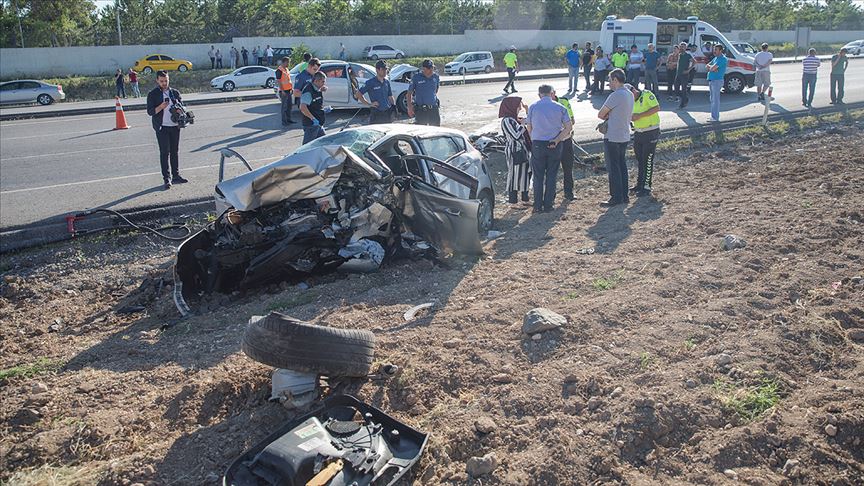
(381, 100)
(312, 108)
(423, 96)
(304, 77)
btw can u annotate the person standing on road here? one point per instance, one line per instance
(763, 61)
(671, 72)
(716, 77)
(510, 62)
(133, 82)
(567, 155)
(232, 58)
(517, 148)
(245, 54)
(839, 63)
(686, 63)
(617, 112)
(212, 54)
(587, 62)
(810, 67)
(573, 59)
(651, 62)
(218, 58)
(269, 53)
(381, 101)
(119, 82)
(304, 77)
(256, 55)
(548, 125)
(286, 89)
(312, 108)
(160, 101)
(620, 58)
(646, 124)
(602, 65)
(341, 51)
(422, 97)
(634, 65)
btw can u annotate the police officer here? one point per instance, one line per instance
(423, 96)
(304, 77)
(283, 77)
(511, 63)
(312, 108)
(381, 100)
(568, 156)
(646, 123)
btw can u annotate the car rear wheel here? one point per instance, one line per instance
(486, 212)
(44, 99)
(402, 103)
(147, 70)
(228, 86)
(462, 71)
(487, 69)
(398, 56)
(182, 68)
(271, 83)
(734, 83)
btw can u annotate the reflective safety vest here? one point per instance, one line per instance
(646, 101)
(620, 59)
(285, 80)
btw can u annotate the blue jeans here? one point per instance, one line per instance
(544, 166)
(808, 81)
(616, 166)
(311, 132)
(572, 78)
(715, 85)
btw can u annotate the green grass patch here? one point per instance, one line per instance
(607, 283)
(646, 361)
(749, 402)
(293, 300)
(690, 344)
(29, 370)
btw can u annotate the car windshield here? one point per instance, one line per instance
(461, 57)
(356, 141)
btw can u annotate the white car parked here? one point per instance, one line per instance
(30, 91)
(855, 48)
(343, 78)
(470, 62)
(382, 51)
(246, 77)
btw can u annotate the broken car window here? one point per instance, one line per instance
(357, 141)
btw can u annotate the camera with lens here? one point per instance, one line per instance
(180, 115)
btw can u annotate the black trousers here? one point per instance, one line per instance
(837, 82)
(645, 146)
(670, 82)
(427, 116)
(599, 81)
(212, 63)
(681, 88)
(586, 71)
(567, 159)
(169, 144)
(379, 116)
(511, 78)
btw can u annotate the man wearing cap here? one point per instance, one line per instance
(510, 63)
(381, 100)
(423, 96)
(646, 124)
(617, 111)
(548, 125)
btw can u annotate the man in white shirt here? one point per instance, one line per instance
(763, 71)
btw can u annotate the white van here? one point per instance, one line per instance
(645, 29)
(470, 62)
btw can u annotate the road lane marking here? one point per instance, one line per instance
(148, 174)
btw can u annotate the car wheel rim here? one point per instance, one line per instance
(485, 215)
(182, 68)
(43, 99)
(229, 86)
(734, 84)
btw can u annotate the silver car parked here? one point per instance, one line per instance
(30, 91)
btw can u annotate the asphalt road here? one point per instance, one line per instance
(50, 167)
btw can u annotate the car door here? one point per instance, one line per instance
(444, 148)
(387, 52)
(338, 92)
(153, 62)
(168, 63)
(27, 91)
(8, 92)
(253, 76)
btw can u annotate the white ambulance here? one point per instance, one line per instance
(664, 34)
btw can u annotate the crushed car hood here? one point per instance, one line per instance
(306, 175)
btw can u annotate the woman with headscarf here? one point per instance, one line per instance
(517, 148)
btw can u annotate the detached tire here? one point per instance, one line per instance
(284, 342)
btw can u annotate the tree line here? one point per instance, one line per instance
(49, 23)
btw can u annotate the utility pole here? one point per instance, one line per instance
(20, 29)
(119, 33)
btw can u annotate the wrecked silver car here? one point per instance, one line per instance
(351, 201)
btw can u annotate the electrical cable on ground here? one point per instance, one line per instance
(130, 225)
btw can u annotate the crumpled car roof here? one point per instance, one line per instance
(306, 175)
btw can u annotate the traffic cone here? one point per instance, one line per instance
(121, 117)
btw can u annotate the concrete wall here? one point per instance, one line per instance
(66, 61)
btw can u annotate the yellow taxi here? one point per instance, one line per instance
(161, 62)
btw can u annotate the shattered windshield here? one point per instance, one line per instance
(357, 141)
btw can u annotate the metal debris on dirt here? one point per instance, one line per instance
(411, 313)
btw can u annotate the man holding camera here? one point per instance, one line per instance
(161, 101)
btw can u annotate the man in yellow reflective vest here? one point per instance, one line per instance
(567, 155)
(646, 123)
(283, 81)
(620, 59)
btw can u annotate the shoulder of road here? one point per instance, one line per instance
(106, 106)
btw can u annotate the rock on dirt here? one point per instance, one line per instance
(479, 466)
(831, 430)
(485, 425)
(540, 320)
(732, 242)
(38, 388)
(791, 467)
(502, 378)
(723, 359)
(855, 334)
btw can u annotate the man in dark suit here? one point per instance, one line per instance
(160, 100)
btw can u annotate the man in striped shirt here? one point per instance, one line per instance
(808, 81)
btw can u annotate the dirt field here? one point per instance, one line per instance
(680, 363)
